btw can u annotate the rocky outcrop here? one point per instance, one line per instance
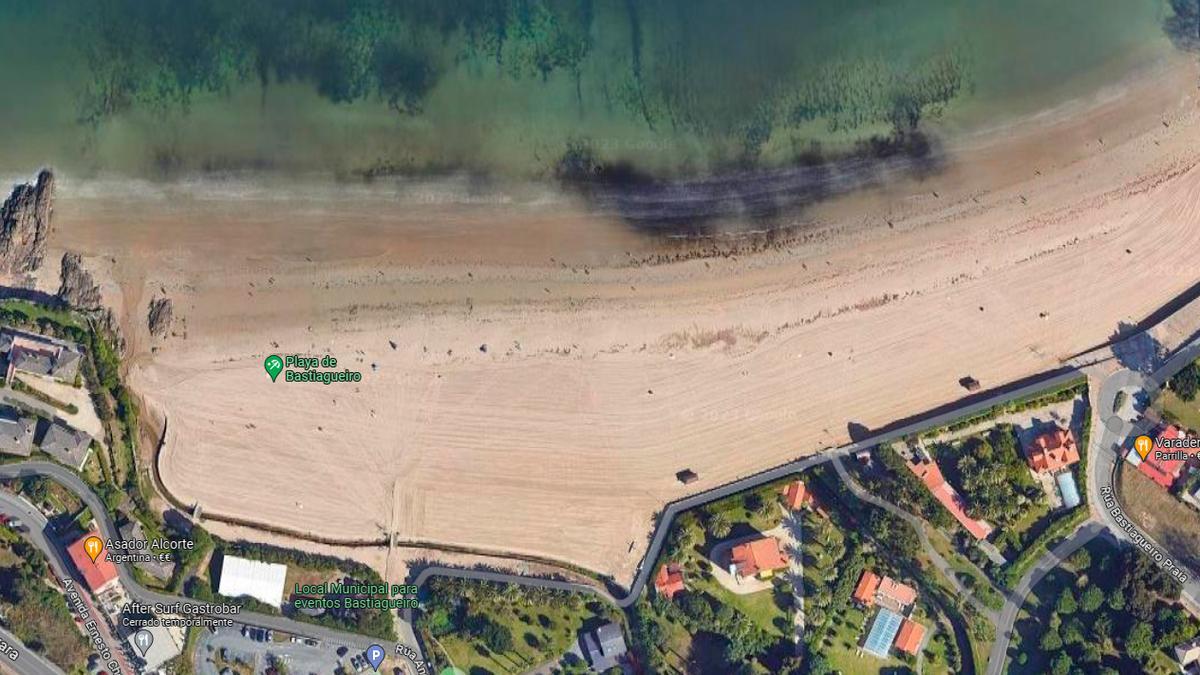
(160, 317)
(25, 225)
(77, 288)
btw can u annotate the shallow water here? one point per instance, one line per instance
(668, 86)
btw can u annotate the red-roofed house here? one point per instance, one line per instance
(931, 476)
(100, 575)
(760, 557)
(1163, 471)
(868, 584)
(669, 580)
(1052, 451)
(910, 637)
(796, 495)
(894, 594)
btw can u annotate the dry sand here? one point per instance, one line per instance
(562, 439)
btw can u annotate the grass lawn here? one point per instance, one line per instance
(307, 575)
(1031, 523)
(1163, 516)
(34, 312)
(1179, 410)
(841, 645)
(540, 633)
(970, 575)
(763, 608)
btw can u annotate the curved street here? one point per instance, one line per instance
(135, 591)
(1103, 456)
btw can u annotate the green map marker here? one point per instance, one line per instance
(273, 365)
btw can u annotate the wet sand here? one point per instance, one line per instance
(603, 376)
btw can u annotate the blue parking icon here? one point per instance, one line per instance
(375, 656)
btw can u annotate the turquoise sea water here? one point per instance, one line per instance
(163, 88)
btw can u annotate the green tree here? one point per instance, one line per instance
(719, 525)
(1081, 559)
(1102, 629)
(819, 665)
(1186, 383)
(1066, 602)
(1072, 633)
(1091, 599)
(1061, 665)
(1140, 642)
(1051, 641)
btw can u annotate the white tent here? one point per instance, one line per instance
(259, 580)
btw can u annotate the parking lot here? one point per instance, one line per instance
(246, 649)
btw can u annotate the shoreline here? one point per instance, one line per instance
(748, 321)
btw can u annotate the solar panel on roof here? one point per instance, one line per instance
(883, 633)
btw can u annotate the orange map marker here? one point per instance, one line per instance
(1143, 445)
(93, 545)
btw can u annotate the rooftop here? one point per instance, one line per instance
(1163, 471)
(669, 580)
(98, 575)
(1052, 451)
(868, 584)
(909, 638)
(759, 555)
(883, 632)
(604, 647)
(931, 476)
(67, 445)
(796, 495)
(259, 580)
(16, 433)
(900, 593)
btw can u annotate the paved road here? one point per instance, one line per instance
(16, 507)
(1008, 615)
(675, 508)
(69, 480)
(919, 525)
(1108, 451)
(1109, 443)
(792, 539)
(143, 595)
(28, 662)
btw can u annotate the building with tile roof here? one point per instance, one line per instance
(39, 354)
(1161, 464)
(159, 569)
(895, 594)
(910, 637)
(16, 432)
(1052, 451)
(67, 445)
(929, 473)
(796, 495)
(760, 557)
(669, 580)
(604, 648)
(98, 576)
(868, 584)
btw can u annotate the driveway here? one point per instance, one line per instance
(719, 559)
(791, 537)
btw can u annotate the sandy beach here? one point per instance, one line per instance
(531, 382)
